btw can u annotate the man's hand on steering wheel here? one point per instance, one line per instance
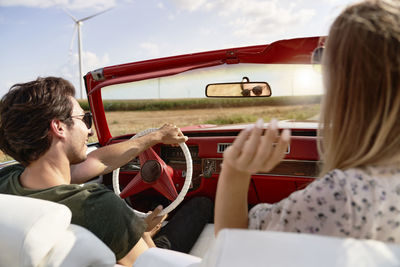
(154, 221)
(170, 134)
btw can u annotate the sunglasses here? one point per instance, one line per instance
(257, 90)
(86, 118)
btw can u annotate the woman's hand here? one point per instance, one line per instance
(154, 221)
(252, 151)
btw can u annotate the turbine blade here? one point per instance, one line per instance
(101, 12)
(69, 14)
(73, 39)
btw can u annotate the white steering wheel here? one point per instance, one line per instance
(186, 185)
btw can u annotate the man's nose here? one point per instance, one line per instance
(91, 133)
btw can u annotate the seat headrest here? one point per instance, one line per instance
(29, 228)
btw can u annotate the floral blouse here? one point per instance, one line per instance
(360, 203)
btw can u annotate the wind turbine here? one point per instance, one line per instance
(78, 24)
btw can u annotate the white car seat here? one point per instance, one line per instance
(36, 232)
(238, 248)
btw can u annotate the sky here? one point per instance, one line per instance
(37, 37)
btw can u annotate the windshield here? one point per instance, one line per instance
(181, 99)
(284, 79)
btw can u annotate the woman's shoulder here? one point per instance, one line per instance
(363, 176)
(370, 171)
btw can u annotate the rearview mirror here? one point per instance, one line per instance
(238, 89)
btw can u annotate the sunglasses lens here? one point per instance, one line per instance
(257, 90)
(87, 119)
(246, 92)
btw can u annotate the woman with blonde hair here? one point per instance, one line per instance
(358, 194)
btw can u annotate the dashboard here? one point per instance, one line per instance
(300, 166)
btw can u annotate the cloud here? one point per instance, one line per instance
(160, 5)
(90, 61)
(69, 4)
(190, 5)
(205, 31)
(33, 3)
(90, 4)
(260, 21)
(151, 49)
(255, 20)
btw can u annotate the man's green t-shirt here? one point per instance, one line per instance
(93, 206)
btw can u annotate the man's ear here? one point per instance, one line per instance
(57, 128)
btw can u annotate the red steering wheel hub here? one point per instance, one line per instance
(154, 173)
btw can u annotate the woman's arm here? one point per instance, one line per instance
(252, 151)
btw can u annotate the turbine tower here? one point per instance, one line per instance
(78, 24)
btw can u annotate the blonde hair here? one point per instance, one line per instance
(360, 117)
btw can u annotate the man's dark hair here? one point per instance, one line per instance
(26, 112)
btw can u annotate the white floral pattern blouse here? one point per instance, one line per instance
(360, 203)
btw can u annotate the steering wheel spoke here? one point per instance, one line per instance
(150, 154)
(165, 186)
(135, 186)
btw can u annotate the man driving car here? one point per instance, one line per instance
(44, 128)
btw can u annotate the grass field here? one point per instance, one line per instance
(203, 103)
(135, 121)
(219, 112)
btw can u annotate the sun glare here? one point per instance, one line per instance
(307, 81)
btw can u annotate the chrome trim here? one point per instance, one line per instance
(222, 146)
(98, 74)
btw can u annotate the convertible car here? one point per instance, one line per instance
(280, 69)
(262, 77)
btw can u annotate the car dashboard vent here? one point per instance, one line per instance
(222, 146)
